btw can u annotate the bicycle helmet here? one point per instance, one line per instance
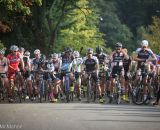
(37, 51)
(119, 45)
(27, 53)
(99, 50)
(21, 49)
(144, 43)
(55, 55)
(14, 48)
(90, 50)
(76, 54)
(2, 51)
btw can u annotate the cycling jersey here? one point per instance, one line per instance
(102, 60)
(158, 59)
(126, 64)
(117, 59)
(3, 65)
(144, 54)
(57, 65)
(14, 61)
(77, 64)
(66, 63)
(90, 63)
(67, 59)
(27, 62)
(37, 63)
(48, 65)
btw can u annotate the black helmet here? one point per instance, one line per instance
(90, 50)
(67, 49)
(99, 50)
(119, 45)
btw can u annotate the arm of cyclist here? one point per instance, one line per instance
(22, 63)
(125, 55)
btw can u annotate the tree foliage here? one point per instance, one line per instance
(50, 25)
(78, 28)
(152, 33)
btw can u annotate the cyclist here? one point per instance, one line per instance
(67, 59)
(92, 65)
(36, 65)
(48, 69)
(77, 67)
(27, 74)
(126, 65)
(102, 58)
(117, 58)
(21, 51)
(57, 67)
(3, 72)
(13, 69)
(158, 74)
(143, 56)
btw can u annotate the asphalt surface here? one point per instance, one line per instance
(78, 116)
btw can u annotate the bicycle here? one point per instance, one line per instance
(65, 72)
(138, 90)
(91, 89)
(3, 90)
(117, 89)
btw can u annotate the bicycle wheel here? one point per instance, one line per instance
(89, 91)
(137, 95)
(67, 89)
(41, 90)
(118, 95)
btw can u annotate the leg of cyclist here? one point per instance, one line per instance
(103, 86)
(122, 79)
(77, 85)
(56, 88)
(51, 92)
(29, 86)
(112, 83)
(5, 82)
(158, 87)
(97, 81)
(126, 78)
(11, 87)
(145, 81)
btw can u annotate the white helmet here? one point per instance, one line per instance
(2, 51)
(14, 48)
(27, 53)
(55, 55)
(37, 51)
(144, 43)
(76, 54)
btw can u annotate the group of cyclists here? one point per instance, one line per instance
(19, 68)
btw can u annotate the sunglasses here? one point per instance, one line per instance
(144, 47)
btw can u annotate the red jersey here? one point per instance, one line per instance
(14, 61)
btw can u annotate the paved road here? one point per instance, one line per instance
(78, 116)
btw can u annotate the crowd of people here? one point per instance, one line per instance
(19, 63)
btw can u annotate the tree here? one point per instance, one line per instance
(79, 28)
(111, 25)
(152, 34)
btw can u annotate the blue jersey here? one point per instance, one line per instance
(144, 54)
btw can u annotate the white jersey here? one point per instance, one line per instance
(77, 62)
